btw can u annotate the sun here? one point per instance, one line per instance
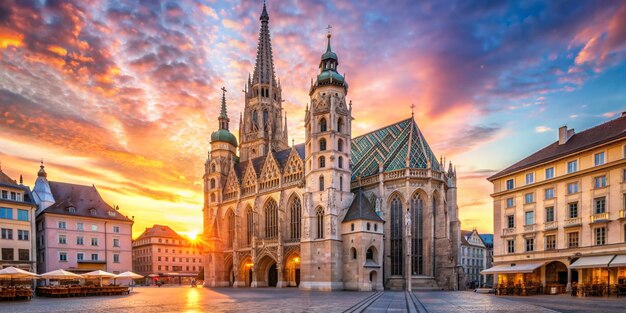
(193, 235)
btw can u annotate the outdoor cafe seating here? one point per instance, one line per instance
(81, 291)
(15, 293)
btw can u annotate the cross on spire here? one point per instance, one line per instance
(412, 107)
(328, 28)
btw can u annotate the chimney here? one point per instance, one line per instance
(565, 134)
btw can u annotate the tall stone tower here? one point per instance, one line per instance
(327, 193)
(261, 128)
(222, 154)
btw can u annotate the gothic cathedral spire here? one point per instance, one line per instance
(262, 129)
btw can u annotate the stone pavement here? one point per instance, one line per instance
(466, 301)
(568, 304)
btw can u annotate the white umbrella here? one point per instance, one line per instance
(14, 272)
(99, 274)
(60, 274)
(129, 275)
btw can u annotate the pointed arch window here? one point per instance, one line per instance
(321, 182)
(323, 125)
(213, 167)
(322, 162)
(271, 219)
(319, 219)
(340, 183)
(339, 125)
(322, 144)
(231, 228)
(340, 145)
(396, 236)
(295, 210)
(417, 232)
(265, 120)
(249, 225)
(255, 120)
(212, 183)
(340, 162)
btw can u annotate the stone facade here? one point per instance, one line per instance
(336, 212)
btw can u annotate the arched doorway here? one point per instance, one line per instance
(556, 273)
(272, 276)
(231, 276)
(292, 269)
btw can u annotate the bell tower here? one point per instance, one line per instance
(262, 128)
(327, 166)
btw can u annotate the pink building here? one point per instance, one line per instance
(78, 231)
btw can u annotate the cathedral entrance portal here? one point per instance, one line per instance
(298, 277)
(272, 276)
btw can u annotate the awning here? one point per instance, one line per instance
(592, 261)
(620, 260)
(513, 268)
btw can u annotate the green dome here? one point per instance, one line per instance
(224, 135)
(329, 55)
(324, 77)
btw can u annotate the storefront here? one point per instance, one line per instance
(517, 278)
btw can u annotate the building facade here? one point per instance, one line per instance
(473, 258)
(164, 254)
(280, 215)
(559, 214)
(488, 240)
(17, 212)
(77, 230)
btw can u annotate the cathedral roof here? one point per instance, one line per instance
(361, 209)
(397, 146)
(264, 66)
(85, 199)
(281, 157)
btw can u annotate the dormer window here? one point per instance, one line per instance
(92, 211)
(112, 213)
(71, 209)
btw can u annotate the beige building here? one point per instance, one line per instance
(473, 257)
(559, 214)
(161, 252)
(17, 227)
(335, 212)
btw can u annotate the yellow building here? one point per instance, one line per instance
(559, 214)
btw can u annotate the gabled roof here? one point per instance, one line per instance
(84, 199)
(391, 146)
(361, 209)
(603, 133)
(281, 157)
(5, 179)
(161, 231)
(487, 239)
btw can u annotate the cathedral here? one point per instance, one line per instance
(373, 212)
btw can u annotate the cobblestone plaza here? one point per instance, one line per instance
(186, 299)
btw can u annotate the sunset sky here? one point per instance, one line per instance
(125, 94)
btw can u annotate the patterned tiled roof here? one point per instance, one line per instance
(361, 209)
(390, 147)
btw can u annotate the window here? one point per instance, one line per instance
(572, 188)
(340, 183)
(529, 217)
(321, 183)
(598, 159)
(319, 215)
(94, 257)
(550, 242)
(5, 194)
(510, 246)
(573, 209)
(369, 226)
(94, 227)
(6, 213)
(322, 162)
(599, 182)
(80, 240)
(212, 184)
(249, 225)
(599, 205)
(63, 256)
(572, 240)
(530, 244)
(340, 162)
(116, 229)
(600, 236)
(339, 124)
(271, 219)
(22, 235)
(231, 228)
(116, 258)
(322, 144)
(550, 214)
(530, 178)
(13, 196)
(510, 202)
(352, 227)
(7, 233)
(529, 198)
(323, 125)
(549, 172)
(62, 239)
(572, 166)
(510, 221)
(23, 254)
(510, 184)
(80, 256)
(22, 215)
(340, 145)
(94, 241)
(80, 226)
(369, 255)
(549, 193)
(397, 257)
(116, 242)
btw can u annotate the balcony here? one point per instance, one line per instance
(600, 217)
(550, 225)
(508, 231)
(622, 214)
(529, 228)
(575, 221)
